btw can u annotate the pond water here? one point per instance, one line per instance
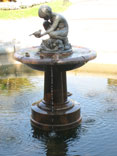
(96, 136)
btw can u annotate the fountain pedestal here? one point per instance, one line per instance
(55, 111)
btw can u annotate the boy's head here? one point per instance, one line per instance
(45, 12)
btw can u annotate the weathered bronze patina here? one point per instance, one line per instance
(56, 27)
(55, 111)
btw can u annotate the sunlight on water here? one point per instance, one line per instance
(96, 136)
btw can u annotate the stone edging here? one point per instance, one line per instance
(20, 4)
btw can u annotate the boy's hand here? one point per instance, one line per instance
(37, 34)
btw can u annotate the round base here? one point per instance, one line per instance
(56, 120)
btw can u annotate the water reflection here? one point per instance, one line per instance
(112, 82)
(97, 134)
(13, 84)
(57, 143)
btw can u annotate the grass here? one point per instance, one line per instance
(56, 5)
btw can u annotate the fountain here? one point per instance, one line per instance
(54, 56)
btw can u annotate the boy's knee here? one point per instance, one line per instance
(52, 34)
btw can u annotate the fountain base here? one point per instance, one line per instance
(57, 120)
(55, 112)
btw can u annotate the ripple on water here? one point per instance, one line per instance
(95, 136)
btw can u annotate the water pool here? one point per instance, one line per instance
(96, 136)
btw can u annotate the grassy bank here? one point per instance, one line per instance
(57, 6)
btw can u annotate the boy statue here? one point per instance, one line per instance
(56, 27)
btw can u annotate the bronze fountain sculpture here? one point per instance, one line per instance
(54, 56)
(56, 27)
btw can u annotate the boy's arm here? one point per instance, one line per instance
(53, 26)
